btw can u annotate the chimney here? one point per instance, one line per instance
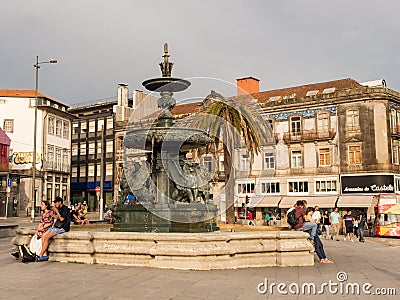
(247, 85)
(122, 98)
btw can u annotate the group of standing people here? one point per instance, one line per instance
(352, 225)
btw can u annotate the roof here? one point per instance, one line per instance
(302, 90)
(26, 94)
(295, 92)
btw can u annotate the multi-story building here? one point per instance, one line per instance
(98, 131)
(53, 145)
(336, 145)
(92, 142)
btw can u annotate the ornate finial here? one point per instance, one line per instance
(166, 66)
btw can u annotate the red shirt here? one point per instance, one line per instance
(299, 213)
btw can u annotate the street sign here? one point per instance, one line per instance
(97, 189)
(8, 190)
(9, 182)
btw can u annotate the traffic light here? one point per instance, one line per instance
(242, 205)
(247, 199)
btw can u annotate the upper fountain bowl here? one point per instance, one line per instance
(166, 84)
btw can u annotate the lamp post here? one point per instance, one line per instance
(37, 66)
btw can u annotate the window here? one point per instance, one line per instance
(109, 169)
(92, 149)
(109, 123)
(92, 126)
(393, 121)
(8, 125)
(74, 172)
(298, 186)
(58, 157)
(269, 160)
(354, 155)
(221, 163)
(245, 188)
(51, 126)
(109, 147)
(270, 188)
(323, 122)
(58, 127)
(83, 127)
(325, 186)
(396, 155)
(91, 171)
(296, 159)
(352, 119)
(66, 130)
(74, 150)
(244, 162)
(295, 125)
(207, 162)
(50, 153)
(65, 157)
(324, 157)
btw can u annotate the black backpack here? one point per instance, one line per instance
(25, 255)
(291, 218)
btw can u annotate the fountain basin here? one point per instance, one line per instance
(185, 251)
(166, 84)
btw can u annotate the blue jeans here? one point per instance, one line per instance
(310, 227)
(361, 232)
(319, 248)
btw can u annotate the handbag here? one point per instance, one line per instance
(35, 246)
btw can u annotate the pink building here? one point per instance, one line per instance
(4, 151)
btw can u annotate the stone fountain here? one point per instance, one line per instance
(174, 197)
(173, 191)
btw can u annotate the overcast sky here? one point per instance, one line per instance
(283, 43)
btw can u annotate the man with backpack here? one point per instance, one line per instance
(299, 222)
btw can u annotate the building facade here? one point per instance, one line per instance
(336, 145)
(92, 145)
(52, 146)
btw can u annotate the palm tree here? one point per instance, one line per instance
(227, 122)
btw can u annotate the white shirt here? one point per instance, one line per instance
(316, 215)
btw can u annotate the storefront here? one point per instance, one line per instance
(359, 192)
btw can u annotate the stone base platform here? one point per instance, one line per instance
(194, 251)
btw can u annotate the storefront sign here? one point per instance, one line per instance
(367, 184)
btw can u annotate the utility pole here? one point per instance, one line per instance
(102, 174)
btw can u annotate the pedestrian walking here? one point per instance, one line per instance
(267, 218)
(361, 226)
(348, 220)
(326, 222)
(334, 220)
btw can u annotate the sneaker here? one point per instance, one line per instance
(344, 239)
(352, 241)
(332, 238)
(42, 258)
(15, 254)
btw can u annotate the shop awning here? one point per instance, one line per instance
(264, 201)
(312, 201)
(355, 201)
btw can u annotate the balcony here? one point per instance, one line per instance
(308, 136)
(55, 166)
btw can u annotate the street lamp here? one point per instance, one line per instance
(36, 66)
